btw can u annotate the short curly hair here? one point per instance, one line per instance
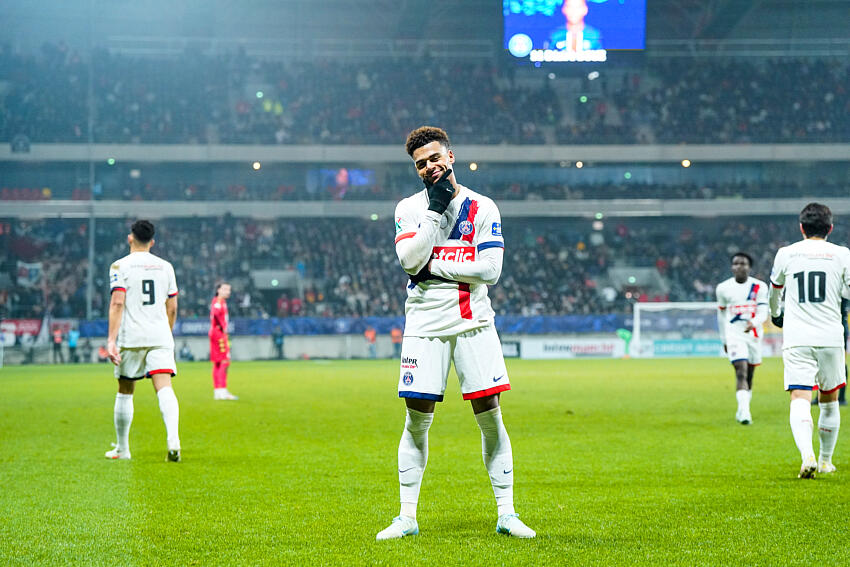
(425, 135)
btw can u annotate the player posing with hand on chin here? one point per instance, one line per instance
(449, 240)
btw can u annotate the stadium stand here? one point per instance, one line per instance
(199, 98)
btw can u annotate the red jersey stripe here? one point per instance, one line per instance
(404, 235)
(463, 299)
(473, 209)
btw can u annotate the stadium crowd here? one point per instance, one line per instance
(200, 191)
(363, 277)
(197, 98)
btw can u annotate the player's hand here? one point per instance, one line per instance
(779, 320)
(440, 193)
(113, 353)
(748, 327)
(422, 275)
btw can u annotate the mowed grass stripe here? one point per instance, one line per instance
(618, 462)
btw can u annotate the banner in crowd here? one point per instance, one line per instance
(21, 326)
(566, 347)
(687, 347)
(29, 273)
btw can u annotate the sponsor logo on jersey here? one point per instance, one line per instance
(407, 362)
(407, 378)
(466, 227)
(454, 253)
(497, 229)
(745, 309)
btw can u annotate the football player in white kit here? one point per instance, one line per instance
(742, 310)
(814, 274)
(449, 239)
(142, 312)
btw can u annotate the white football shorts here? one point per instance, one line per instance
(744, 348)
(477, 355)
(138, 363)
(807, 368)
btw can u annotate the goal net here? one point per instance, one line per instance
(675, 329)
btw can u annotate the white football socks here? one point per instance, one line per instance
(123, 418)
(743, 397)
(801, 426)
(498, 458)
(170, 415)
(828, 425)
(412, 458)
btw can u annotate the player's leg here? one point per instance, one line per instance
(739, 357)
(742, 391)
(161, 367)
(481, 369)
(422, 381)
(831, 381)
(127, 372)
(800, 378)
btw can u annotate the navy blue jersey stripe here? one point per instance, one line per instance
(462, 215)
(491, 244)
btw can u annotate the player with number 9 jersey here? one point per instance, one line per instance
(148, 282)
(142, 312)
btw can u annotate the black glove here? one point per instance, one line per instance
(424, 275)
(440, 193)
(421, 276)
(779, 320)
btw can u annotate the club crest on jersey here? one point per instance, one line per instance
(466, 227)
(397, 225)
(407, 378)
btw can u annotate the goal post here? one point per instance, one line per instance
(675, 329)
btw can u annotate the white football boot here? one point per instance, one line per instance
(511, 525)
(222, 394)
(401, 526)
(116, 454)
(826, 467)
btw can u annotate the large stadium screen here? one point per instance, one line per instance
(544, 31)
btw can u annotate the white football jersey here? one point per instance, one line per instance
(739, 303)
(148, 281)
(470, 225)
(815, 274)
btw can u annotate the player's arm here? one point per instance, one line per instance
(777, 282)
(487, 267)
(414, 244)
(721, 316)
(485, 270)
(116, 313)
(218, 324)
(761, 308)
(171, 302)
(171, 311)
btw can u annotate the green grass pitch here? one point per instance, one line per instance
(618, 462)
